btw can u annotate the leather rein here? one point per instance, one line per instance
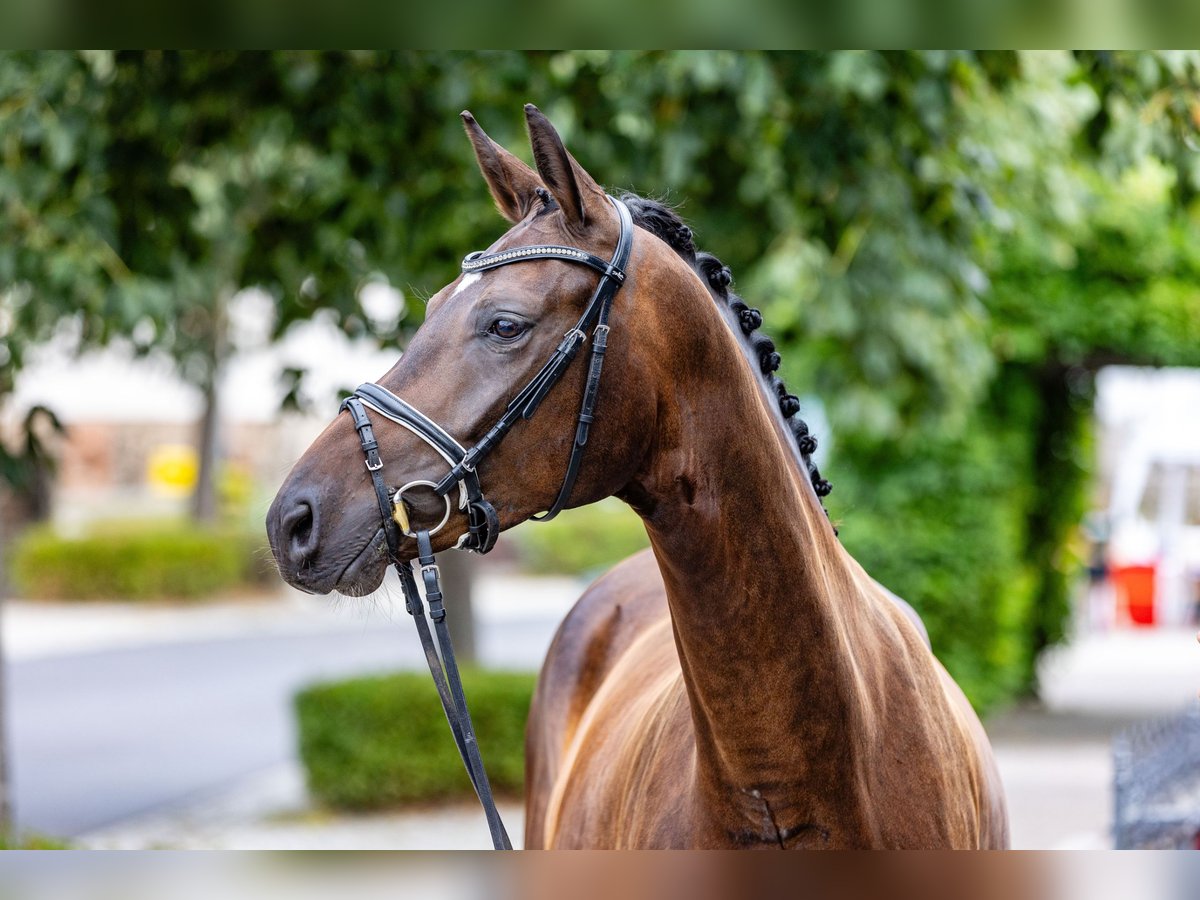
(483, 525)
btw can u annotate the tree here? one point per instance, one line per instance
(57, 264)
(195, 175)
(190, 176)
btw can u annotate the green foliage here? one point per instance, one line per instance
(136, 561)
(583, 541)
(831, 180)
(56, 221)
(822, 179)
(29, 841)
(983, 554)
(374, 743)
(849, 190)
(1123, 288)
(943, 523)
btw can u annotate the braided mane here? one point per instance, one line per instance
(665, 224)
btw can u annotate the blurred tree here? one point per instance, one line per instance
(143, 190)
(157, 185)
(1088, 240)
(57, 265)
(220, 188)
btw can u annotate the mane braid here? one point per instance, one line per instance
(665, 224)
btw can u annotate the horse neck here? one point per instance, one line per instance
(765, 604)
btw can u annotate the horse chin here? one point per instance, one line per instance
(365, 572)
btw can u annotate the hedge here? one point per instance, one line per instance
(28, 841)
(143, 561)
(379, 742)
(945, 524)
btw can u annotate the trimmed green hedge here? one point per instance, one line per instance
(374, 743)
(143, 561)
(584, 541)
(33, 842)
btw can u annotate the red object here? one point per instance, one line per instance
(1135, 592)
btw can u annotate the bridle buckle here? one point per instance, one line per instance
(574, 338)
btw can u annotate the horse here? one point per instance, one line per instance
(741, 684)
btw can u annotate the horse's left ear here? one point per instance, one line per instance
(581, 199)
(513, 184)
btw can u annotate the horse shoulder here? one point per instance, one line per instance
(926, 720)
(991, 804)
(607, 619)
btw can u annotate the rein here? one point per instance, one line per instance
(483, 525)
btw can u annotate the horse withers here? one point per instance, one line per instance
(742, 684)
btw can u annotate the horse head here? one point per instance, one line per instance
(486, 336)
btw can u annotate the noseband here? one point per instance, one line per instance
(483, 525)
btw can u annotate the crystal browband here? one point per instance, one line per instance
(479, 261)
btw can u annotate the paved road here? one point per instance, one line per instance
(104, 735)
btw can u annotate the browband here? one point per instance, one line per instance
(480, 261)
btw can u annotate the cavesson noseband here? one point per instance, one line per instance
(483, 525)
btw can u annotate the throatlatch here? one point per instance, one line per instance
(483, 525)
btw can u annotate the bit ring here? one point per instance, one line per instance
(400, 514)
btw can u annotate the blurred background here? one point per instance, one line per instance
(981, 269)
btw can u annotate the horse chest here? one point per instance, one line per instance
(628, 774)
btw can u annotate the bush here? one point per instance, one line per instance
(373, 743)
(583, 541)
(33, 842)
(943, 523)
(142, 561)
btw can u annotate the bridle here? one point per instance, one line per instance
(483, 525)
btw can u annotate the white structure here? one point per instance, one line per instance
(1150, 438)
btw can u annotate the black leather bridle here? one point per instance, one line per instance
(483, 525)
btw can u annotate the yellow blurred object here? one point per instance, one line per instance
(171, 469)
(400, 515)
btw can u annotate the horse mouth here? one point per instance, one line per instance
(364, 574)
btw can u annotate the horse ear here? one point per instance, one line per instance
(575, 190)
(512, 183)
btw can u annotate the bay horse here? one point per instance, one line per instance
(744, 683)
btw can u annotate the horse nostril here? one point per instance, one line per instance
(303, 529)
(300, 532)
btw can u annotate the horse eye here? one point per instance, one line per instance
(506, 329)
